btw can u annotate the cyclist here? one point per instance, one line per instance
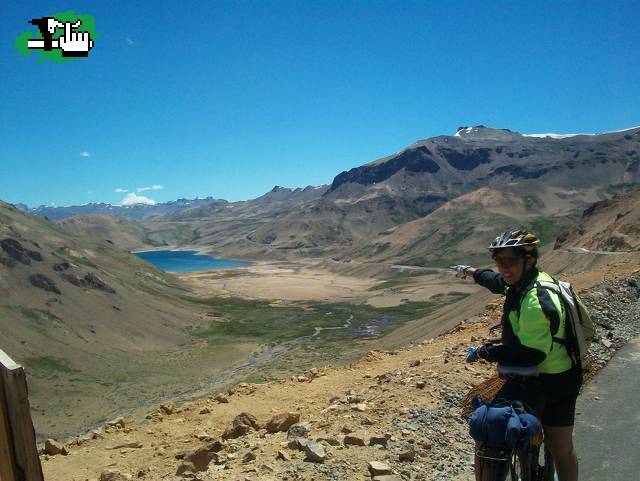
(530, 338)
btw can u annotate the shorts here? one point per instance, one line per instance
(551, 397)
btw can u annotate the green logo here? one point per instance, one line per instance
(59, 37)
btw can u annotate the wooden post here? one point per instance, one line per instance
(26, 462)
(7, 466)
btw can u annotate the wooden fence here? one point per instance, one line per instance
(19, 459)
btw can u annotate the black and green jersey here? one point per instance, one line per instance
(527, 332)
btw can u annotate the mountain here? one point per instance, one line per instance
(133, 212)
(611, 225)
(554, 176)
(122, 232)
(83, 316)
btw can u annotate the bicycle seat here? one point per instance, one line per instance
(528, 371)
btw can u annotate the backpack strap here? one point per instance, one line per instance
(546, 303)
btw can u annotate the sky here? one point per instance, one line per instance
(180, 99)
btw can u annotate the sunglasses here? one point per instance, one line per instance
(507, 261)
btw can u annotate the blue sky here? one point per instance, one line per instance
(229, 98)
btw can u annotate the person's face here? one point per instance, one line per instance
(511, 265)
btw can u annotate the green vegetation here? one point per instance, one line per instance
(49, 364)
(545, 228)
(241, 319)
(399, 278)
(83, 261)
(41, 319)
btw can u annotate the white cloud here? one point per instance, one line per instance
(120, 189)
(132, 199)
(153, 187)
(85, 153)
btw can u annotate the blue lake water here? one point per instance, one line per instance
(187, 261)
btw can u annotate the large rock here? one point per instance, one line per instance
(241, 425)
(43, 282)
(298, 430)
(18, 252)
(351, 440)
(282, 422)
(199, 458)
(378, 468)
(315, 452)
(168, 407)
(53, 448)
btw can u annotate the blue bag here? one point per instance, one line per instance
(503, 426)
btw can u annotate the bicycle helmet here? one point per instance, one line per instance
(516, 238)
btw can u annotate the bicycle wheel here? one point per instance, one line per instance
(524, 466)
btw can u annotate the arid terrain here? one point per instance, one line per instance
(401, 407)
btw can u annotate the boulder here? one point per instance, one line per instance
(315, 452)
(198, 459)
(283, 456)
(298, 430)
(52, 448)
(18, 252)
(168, 407)
(221, 398)
(378, 468)
(43, 282)
(241, 425)
(350, 440)
(378, 440)
(282, 422)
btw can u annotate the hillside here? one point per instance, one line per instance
(609, 225)
(122, 232)
(89, 321)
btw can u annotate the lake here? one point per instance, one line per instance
(187, 261)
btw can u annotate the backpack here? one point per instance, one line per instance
(579, 330)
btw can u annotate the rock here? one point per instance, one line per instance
(130, 444)
(407, 454)
(199, 459)
(330, 441)
(415, 363)
(282, 422)
(350, 440)
(249, 420)
(387, 477)
(282, 456)
(378, 440)
(361, 407)
(248, 457)
(298, 430)
(18, 252)
(241, 425)
(298, 444)
(222, 399)
(43, 282)
(168, 407)
(607, 343)
(205, 410)
(117, 422)
(315, 452)
(421, 384)
(52, 448)
(114, 475)
(346, 430)
(377, 468)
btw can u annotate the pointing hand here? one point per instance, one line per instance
(75, 44)
(460, 270)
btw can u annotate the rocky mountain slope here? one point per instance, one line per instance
(367, 201)
(609, 225)
(122, 232)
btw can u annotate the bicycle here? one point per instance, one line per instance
(496, 461)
